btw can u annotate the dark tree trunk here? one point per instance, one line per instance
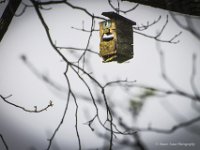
(189, 7)
(7, 16)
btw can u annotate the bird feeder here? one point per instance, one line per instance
(116, 38)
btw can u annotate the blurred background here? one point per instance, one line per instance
(33, 73)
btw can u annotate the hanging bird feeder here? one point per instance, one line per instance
(116, 38)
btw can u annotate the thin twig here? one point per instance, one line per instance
(144, 27)
(77, 49)
(68, 4)
(159, 33)
(147, 25)
(35, 110)
(118, 10)
(88, 42)
(164, 131)
(188, 27)
(63, 116)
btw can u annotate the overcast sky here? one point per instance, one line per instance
(26, 36)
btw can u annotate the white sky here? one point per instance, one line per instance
(27, 36)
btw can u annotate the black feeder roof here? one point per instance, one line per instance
(113, 15)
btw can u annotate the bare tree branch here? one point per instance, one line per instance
(144, 27)
(116, 125)
(165, 131)
(190, 7)
(119, 10)
(169, 81)
(188, 27)
(62, 119)
(4, 142)
(7, 16)
(24, 109)
(77, 49)
(157, 36)
(88, 42)
(84, 30)
(42, 77)
(76, 113)
(68, 4)
(180, 117)
(72, 65)
(193, 75)
(25, 6)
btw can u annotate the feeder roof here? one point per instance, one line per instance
(113, 15)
